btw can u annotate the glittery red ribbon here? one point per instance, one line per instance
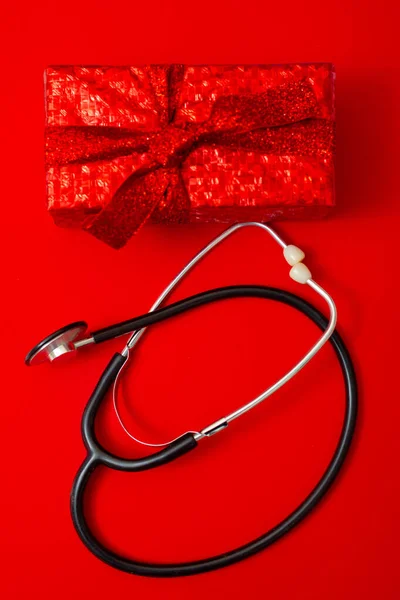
(251, 121)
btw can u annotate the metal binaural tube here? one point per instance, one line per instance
(217, 425)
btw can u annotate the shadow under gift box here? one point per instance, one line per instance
(185, 143)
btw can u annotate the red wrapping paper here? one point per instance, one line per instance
(181, 143)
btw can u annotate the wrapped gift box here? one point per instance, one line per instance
(184, 143)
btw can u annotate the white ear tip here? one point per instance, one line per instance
(293, 254)
(300, 273)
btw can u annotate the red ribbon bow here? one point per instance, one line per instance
(250, 121)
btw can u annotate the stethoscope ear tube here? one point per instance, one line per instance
(99, 456)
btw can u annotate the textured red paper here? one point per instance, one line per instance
(179, 143)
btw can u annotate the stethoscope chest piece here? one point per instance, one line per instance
(57, 344)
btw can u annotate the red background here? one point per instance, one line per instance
(191, 370)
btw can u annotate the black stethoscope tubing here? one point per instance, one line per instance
(97, 455)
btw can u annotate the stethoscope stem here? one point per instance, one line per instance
(84, 342)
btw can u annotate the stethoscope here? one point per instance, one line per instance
(73, 337)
